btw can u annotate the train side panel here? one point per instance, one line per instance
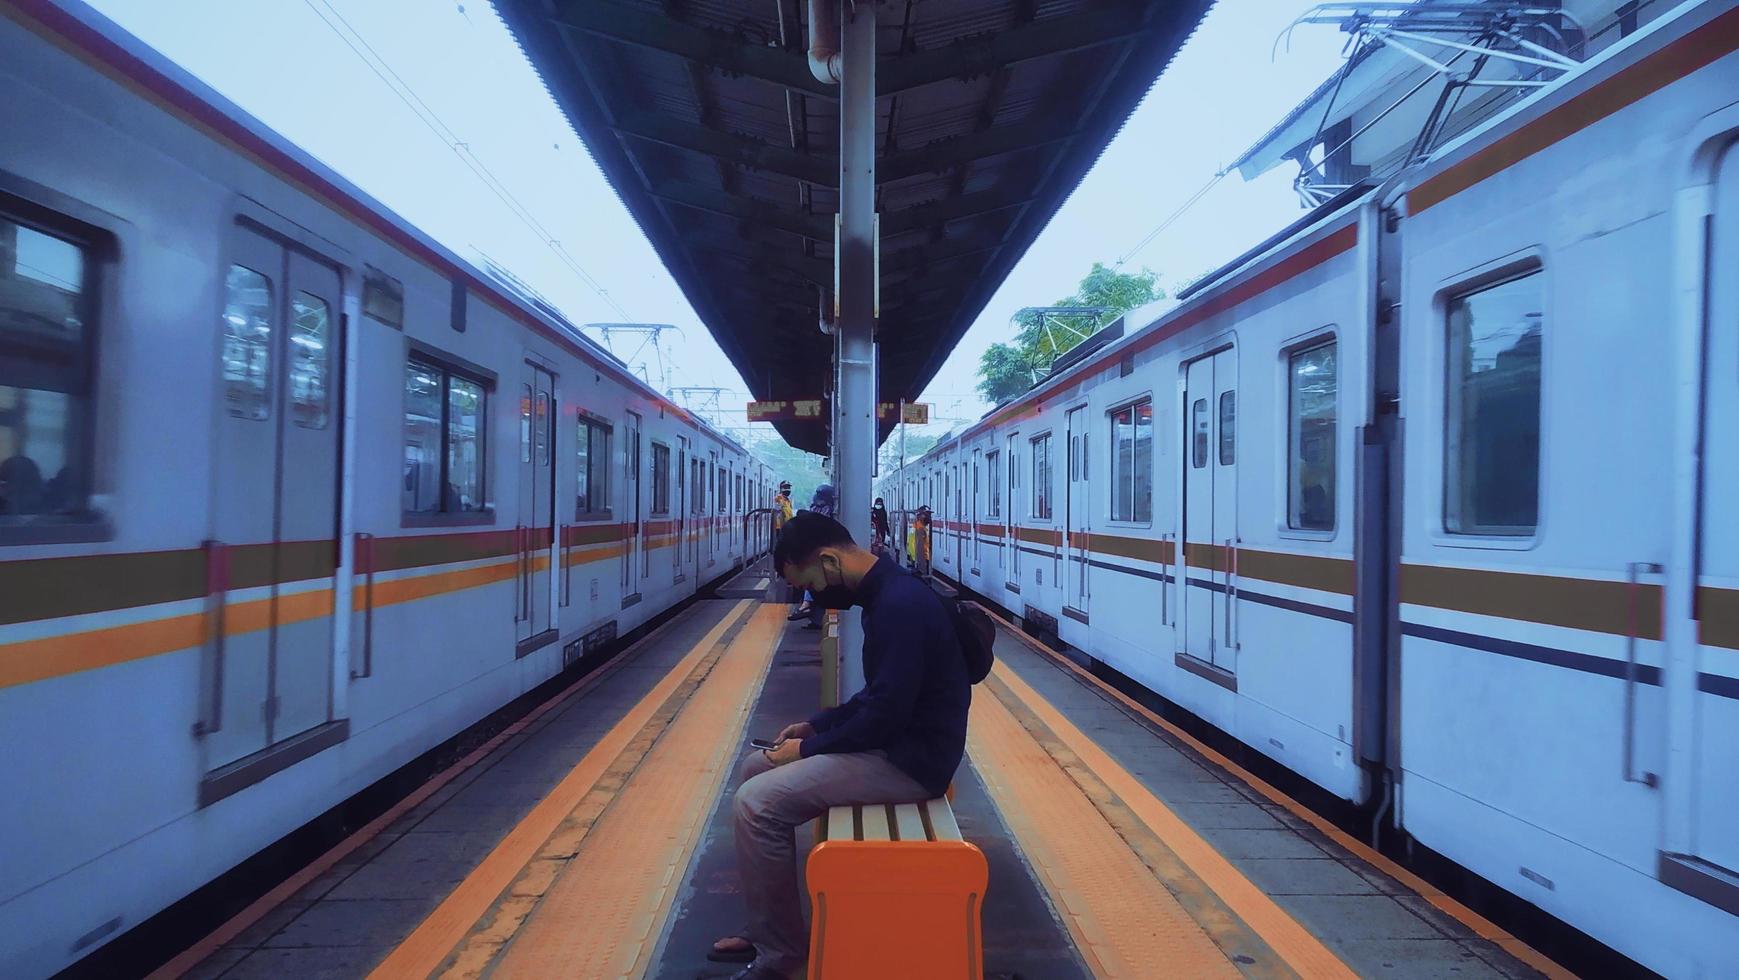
(1540, 385)
(450, 600)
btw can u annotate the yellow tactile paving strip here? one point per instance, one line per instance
(1296, 946)
(424, 951)
(1124, 921)
(604, 913)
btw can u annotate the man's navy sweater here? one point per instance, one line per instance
(913, 705)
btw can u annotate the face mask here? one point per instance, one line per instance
(833, 596)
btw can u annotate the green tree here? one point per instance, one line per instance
(1007, 369)
(802, 469)
(916, 446)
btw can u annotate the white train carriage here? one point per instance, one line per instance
(1450, 465)
(1560, 731)
(289, 494)
(1098, 470)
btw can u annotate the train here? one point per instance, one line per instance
(1433, 498)
(290, 494)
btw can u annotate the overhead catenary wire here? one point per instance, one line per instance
(1170, 219)
(460, 148)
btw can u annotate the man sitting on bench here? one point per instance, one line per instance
(898, 740)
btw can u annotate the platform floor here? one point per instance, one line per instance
(592, 839)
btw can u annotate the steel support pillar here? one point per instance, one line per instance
(854, 434)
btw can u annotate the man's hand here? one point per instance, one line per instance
(800, 730)
(787, 751)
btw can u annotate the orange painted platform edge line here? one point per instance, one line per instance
(442, 930)
(704, 734)
(482, 947)
(1146, 915)
(197, 953)
(1481, 926)
(1297, 946)
(1254, 957)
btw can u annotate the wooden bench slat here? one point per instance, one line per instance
(875, 822)
(909, 822)
(942, 821)
(839, 824)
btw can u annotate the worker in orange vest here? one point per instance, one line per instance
(921, 541)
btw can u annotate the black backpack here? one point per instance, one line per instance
(976, 632)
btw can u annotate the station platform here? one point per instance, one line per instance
(592, 839)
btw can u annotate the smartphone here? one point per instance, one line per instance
(763, 744)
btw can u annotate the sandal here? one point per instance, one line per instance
(744, 953)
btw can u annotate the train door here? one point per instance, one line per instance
(972, 517)
(1211, 404)
(960, 522)
(940, 535)
(712, 517)
(679, 507)
(1075, 503)
(536, 501)
(1715, 831)
(631, 528)
(1010, 508)
(275, 507)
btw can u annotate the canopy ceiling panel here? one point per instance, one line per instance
(707, 121)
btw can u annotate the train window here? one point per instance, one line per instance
(1310, 443)
(444, 440)
(525, 423)
(1132, 462)
(1199, 434)
(46, 366)
(1228, 427)
(1042, 477)
(465, 444)
(383, 298)
(247, 343)
(310, 360)
(660, 478)
(422, 439)
(542, 428)
(592, 469)
(1492, 449)
(993, 466)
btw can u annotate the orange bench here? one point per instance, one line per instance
(894, 889)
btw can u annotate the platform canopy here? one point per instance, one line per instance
(707, 119)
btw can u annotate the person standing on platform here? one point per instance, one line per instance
(781, 510)
(879, 523)
(921, 542)
(826, 503)
(899, 740)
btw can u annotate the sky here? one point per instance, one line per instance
(429, 106)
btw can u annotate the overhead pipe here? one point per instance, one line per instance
(824, 56)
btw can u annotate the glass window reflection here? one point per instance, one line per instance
(1313, 386)
(310, 360)
(247, 343)
(1492, 449)
(46, 374)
